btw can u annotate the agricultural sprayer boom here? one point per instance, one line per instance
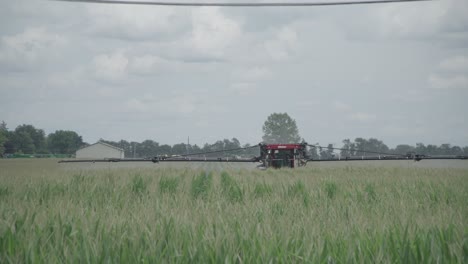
(278, 156)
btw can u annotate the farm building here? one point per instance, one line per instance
(100, 150)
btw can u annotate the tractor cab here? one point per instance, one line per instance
(283, 155)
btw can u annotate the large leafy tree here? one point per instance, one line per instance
(165, 149)
(280, 128)
(64, 142)
(179, 149)
(403, 149)
(147, 148)
(371, 144)
(28, 139)
(23, 142)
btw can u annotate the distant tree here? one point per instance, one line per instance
(23, 142)
(456, 150)
(250, 151)
(431, 150)
(420, 148)
(9, 144)
(3, 126)
(148, 148)
(371, 144)
(280, 128)
(64, 142)
(327, 153)
(29, 133)
(348, 148)
(313, 154)
(165, 150)
(127, 147)
(195, 149)
(403, 149)
(445, 149)
(3, 137)
(179, 149)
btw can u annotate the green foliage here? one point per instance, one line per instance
(298, 190)
(48, 191)
(231, 188)
(23, 143)
(52, 215)
(139, 185)
(355, 148)
(280, 128)
(28, 139)
(201, 185)
(330, 189)
(64, 142)
(262, 190)
(168, 185)
(370, 191)
(4, 191)
(3, 137)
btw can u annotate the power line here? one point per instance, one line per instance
(243, 4)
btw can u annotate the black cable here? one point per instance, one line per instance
(244, 4)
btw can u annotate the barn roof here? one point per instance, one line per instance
(102, 143)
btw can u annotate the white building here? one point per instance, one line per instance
(100, 150)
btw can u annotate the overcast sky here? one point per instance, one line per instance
(397, 72)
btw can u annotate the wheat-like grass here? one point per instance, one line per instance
(49, 214)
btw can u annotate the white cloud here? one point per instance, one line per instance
(415, 21)
(211, 65)
(448, 82)
(362, 117)
(410, 20)
(243, 88)
(213, 32)
(452, 73)
(152, 64)
(137, 105)
(111, 66)
(256, 73)
(135, 22)
(457, 64)
(341, 106)
(172, 104)
(283, 45)
(32, 45)
(245, 81)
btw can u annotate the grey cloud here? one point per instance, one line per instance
(121, 22)
(428, 21)
(169, 74)
(24, 50)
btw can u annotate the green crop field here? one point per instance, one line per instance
(56, 213)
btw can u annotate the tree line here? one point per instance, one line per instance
(359, 146)
(27, 139)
